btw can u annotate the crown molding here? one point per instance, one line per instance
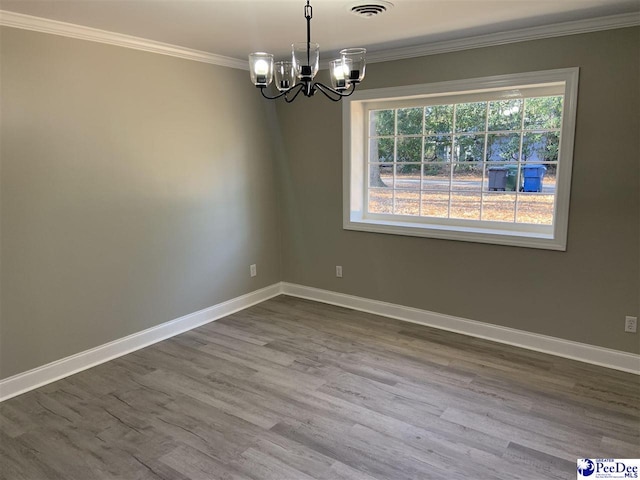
(54, 27)
(44, 25)
(513, 36)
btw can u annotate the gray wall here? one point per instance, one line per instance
(582, 294)
(135, 188)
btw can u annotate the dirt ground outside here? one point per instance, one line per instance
(469, 198)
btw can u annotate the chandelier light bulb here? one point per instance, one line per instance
(357, 59)
(285, 76)
(340, 70)
(262, 67)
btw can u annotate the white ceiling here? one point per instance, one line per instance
(234, 28)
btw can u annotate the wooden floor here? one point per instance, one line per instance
(293, 390)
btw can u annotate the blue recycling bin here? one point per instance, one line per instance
(533, 175)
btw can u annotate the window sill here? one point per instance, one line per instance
(494, 236)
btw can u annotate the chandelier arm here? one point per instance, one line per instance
(301, 87)
(353, 89)
(262, 88)
(328, 91)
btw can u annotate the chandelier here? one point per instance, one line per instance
(296, 76)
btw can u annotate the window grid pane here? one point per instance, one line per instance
(467, 160)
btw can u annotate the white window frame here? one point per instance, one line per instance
(355, 166)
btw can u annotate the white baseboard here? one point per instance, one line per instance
(23, 382)
(32, 379)
(605, 357)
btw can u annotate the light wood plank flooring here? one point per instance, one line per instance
(294, 390)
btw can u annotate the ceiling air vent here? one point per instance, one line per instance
(370, 9)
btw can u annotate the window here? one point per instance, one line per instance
(485, 160)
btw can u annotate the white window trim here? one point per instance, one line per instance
(355, 162)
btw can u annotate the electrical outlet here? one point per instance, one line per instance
(631, 324)
(253, 270)
(339, 271)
